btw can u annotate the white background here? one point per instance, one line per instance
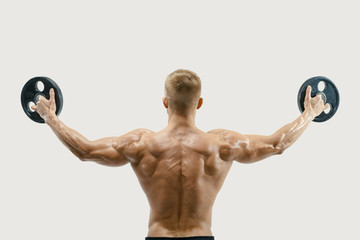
(111, 58)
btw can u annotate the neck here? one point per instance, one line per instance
(182, 120)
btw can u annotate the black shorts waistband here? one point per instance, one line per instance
(182, 238)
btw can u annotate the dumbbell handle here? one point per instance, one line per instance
(323, 96)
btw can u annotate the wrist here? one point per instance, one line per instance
(309, 114)
(50, 119)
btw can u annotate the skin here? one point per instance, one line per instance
(180, 168)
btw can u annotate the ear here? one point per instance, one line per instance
(199, 103)
(165, 102)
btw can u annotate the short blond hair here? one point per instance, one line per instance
(182, 89)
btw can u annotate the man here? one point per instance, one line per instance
(180, 168)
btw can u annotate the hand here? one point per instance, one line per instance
(46, 107)
(315, 105)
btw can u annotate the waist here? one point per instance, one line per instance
(201, 229)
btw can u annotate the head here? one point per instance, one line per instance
(182, 92)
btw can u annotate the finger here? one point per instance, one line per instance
(308, 93)
(52, 95)
(34, 107)
(326, 106)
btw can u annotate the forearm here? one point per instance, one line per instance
(73, 140)
(287, 135)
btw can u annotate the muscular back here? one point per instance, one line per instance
(181, 169)
(181, 173)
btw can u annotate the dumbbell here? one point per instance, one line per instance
(328, 91)
(33, 89)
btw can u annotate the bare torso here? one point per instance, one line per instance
(181, 173)
(181, 168)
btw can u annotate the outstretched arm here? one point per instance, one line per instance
(252, 148)
(111, 151)
(103, 151)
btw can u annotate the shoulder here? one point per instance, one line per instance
(131, 138)
(227, 136)
(130, 144)
(141, 131)
(233, 145)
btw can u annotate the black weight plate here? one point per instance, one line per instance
(331, 96)
(30, 93)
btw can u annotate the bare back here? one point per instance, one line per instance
(181, 168)
(181, 173)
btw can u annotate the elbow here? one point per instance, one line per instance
(83, 159)
(279, 149)
(82, 153)
(82, 156)
(278, 144)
